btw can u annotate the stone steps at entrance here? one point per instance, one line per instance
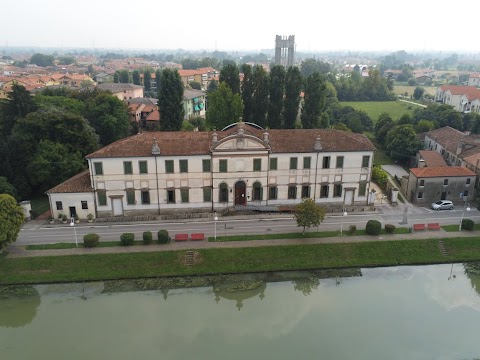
(442, 248)
(189, 258)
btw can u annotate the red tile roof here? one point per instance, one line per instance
(432, 158)
(449, 171)
(199, 142)
(153, 116)
(76, 184)
(471, 92)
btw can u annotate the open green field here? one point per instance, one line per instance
(374, 108)
(402, 89)
(234, 260)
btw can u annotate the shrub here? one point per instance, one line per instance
(352, 229)
(390, 228)
(163, 237)
(90, 240)
(64, 217)
(373, 227)
(127, 239)
(467, 224)
(147, 237)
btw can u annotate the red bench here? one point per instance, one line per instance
(434, 226)
(181, 237)
(419, 227)
(197, 236)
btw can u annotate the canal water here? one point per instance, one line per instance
(415, 312)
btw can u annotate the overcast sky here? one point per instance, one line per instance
(242, 25)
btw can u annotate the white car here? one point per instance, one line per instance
(442, 205)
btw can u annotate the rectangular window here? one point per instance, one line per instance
(257, 164)
(445, 181)
(365, 161)
(465, 193)
(223, 166)
(223, 194)
(207, 194)
(171, 196)
(337, 190)
(98, 168)
(59, 205)
(420, 195)
(127, 168)
(273, 163)
(130, 197)
(272, 193)
(468, 181)
(142, 166)
(102, 199)
(339, 162)
(292, 192)
(206, 165)
(145, 197)
(305, 191)
(183, 166)
(84, 205)
(184, 195)
(362, 189)
(307, 162)
(324, 191)
(169, 168)
(422, 182)
(293, 163)
(326, 162)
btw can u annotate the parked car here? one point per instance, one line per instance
(442, 205)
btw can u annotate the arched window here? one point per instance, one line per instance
(257, 191)
(223, 193)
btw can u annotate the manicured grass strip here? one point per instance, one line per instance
(453, 228)
(234, 260)
(374, 108)
(72, 245)
(297, 235)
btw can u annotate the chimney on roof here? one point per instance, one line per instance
(214, 137)
(421, 163)
(460, 146)
(265, 137)
(318, 144)
(155, 147)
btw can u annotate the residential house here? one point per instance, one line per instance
(429, 158)
(430, 184)
(102, 77)
(74, 80)
(193, 103)
(460, 97)
(474, 80)
(164, 172)
(123, 91)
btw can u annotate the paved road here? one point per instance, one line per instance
(41, 233)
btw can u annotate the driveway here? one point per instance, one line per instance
(395, 170)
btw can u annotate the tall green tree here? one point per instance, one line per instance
(124, 76)
(147, 80)
(314, 101)
(116, 77)
(11, 219)
(260, 95)
(277, 92)
(136, 77)
(212, 86)
(42, 60)
(293, 88)
(309, 214)
(170, 100)
(402, 142)
(7, 188)
(247, 92)
(309, 66)
(19, 103)
(231, 76)
(224, 107)
(418, 93)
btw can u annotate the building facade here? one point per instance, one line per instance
(165, 172)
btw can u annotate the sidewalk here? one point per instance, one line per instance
(19, 251)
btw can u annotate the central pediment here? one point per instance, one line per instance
(240, 142)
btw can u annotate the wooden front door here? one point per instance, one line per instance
(240, 193)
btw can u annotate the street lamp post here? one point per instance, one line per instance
(344, 213)
(215, 219)
(466, 206)
(72, 223)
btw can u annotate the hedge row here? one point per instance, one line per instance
(128, 239)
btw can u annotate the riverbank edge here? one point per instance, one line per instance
(225, 261)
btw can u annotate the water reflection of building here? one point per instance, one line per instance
(240, 291)
(18, 305)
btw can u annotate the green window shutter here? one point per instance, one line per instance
(307, 162)
(143, 167)
(206, 165)
(127, 167)
(223, 166)
(169, 168)
(184, 195)
(293, 163)
(273, 163)
(207, 194)
(339, 162)
(102, 199)
(98, 168)
(365, 161)
(257, 164)
(130, 197)
(183, 166)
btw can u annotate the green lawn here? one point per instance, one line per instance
(40, 204)
(380, 157)
(374, 108)
(402, 89)
(235, 260)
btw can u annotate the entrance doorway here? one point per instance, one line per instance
(117, 206)
(73, 212)
(349, 196)
(444, 195)
(240, 193)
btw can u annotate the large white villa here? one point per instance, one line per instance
(164, 172)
